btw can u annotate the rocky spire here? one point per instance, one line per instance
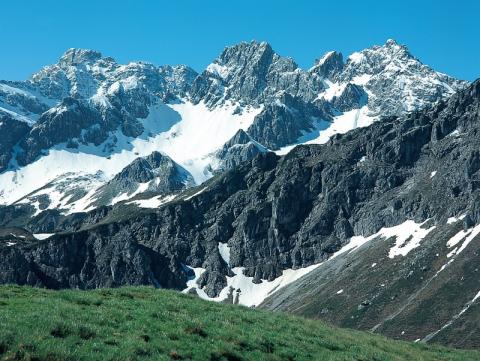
(75, 56)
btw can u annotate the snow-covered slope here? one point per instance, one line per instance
(188, 133)
(76, 124)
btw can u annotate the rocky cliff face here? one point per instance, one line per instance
(11, 131)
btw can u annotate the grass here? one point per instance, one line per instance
(140, 323)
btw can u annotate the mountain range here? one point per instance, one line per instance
(347, 191)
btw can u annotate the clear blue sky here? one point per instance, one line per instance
(33, 33)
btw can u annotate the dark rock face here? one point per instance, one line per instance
(57, 126)
(283, 122)
(241, 148)
(353, 97)
(83, 261)
(11, 131)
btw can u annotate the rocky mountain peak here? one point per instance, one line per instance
(240, 53)
(74, 56)
(241, 137)
(252, 72)
(243, 57)
(328, 65)
(377, 56)
(391, 42)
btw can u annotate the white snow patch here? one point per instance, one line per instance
(361, 79)
(196, 193)
(452, 242)
(339, 292)
(224, 251)
(373, 265)
(408, 236)
(470, 237)
(452, 253)
(245, 292)
(356, 57)
(153, 202)
(341, 124)
(433, 174)
(333, 90)
(42, 236)
(345, 122)
(455, 219)
(220, 70)
(465, 236)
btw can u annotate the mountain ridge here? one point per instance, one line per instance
(87, 108)
(258, 228)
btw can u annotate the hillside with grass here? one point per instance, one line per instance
(149, 324)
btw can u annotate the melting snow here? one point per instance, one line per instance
(220, 70)
(196, 193)
(465, 236)
(341, 124)
(153, 202)
(408, 236)
(42, 236)
(333, 90)
(454, 219)
(224, 252)
(247, 293)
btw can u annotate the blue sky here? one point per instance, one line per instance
(34, 33)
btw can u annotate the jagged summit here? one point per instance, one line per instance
(328, 65)
(74, 56)
(246, 47)
(390, 51)
(246, 56)
(391, 42)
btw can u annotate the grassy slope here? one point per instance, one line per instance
(144, 323)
